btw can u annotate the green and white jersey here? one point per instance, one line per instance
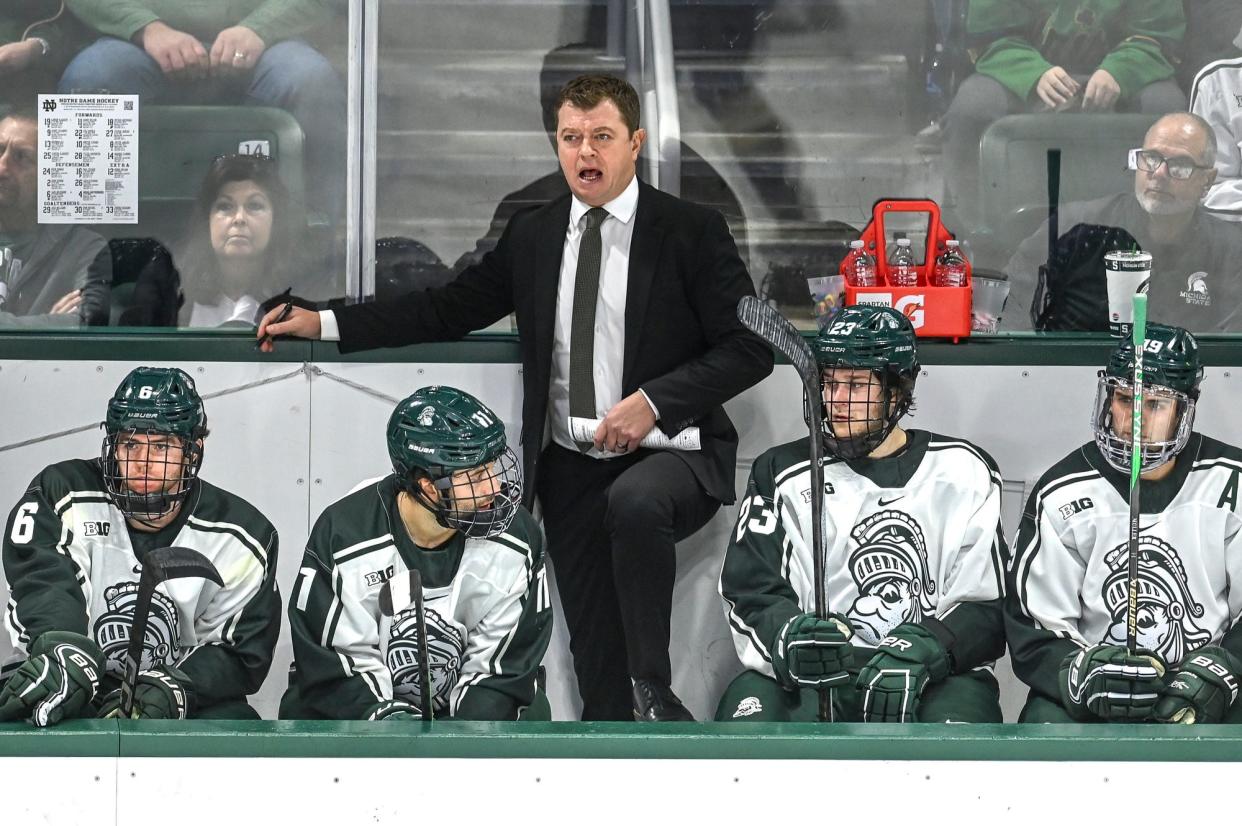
(72, 563)
(487, 609)
(1068, 578)
(914, 537)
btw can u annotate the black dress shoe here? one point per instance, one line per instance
(655, 702)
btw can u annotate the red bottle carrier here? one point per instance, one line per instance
(941, 312)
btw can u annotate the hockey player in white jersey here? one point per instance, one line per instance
(914, 554)
(452, 510)
(73, 551)
(1065, 614)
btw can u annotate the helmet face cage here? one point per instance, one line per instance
(1112, 436)
(869, 404)
(155, 451)
(480, 502)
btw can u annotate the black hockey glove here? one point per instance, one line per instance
(813, 653)
(1203, 688)
(1106, 682)
(892, 681)
(163, 693)
(57, 682)
(392, 710)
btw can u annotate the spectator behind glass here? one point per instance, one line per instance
(1196, 258)
(1058, 56)
(223, 52)
(239, 245)
(36, 38)
(51, 275)
(1216, 96)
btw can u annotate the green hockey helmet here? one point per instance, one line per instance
(858, 418)
(440, 431)
(148, 475)
(1172, 372)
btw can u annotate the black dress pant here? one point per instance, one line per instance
(612, 526)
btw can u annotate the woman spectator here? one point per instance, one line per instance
(239, 245)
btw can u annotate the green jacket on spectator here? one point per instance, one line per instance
(1018, 40)
(272, 20)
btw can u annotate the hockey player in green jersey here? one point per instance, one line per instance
(914, 554)
(73, 552)
(1068, 583)
(452, 510)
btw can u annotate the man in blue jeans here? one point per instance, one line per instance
(243, 51)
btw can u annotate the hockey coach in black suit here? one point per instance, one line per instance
(625, 300)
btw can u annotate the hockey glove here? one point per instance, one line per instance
(163, 693)
(1106, 682)
(1202, 690)
(392, 710)
(57, 682)
(812, 652)
(892, 681)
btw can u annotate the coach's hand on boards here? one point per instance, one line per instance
(287, 319)
(1107, 682)
(1202, 690)
(812, 652)
(57, 682)
(892, 681)
(625, 425)
(163, 693)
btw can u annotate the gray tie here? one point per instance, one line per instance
(582, 325)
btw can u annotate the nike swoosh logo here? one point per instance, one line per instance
(884, 502)
(1149, 527)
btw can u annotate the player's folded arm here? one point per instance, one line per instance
(237, 668)
(44, 589)
(337, 680)
(973, 633)
(504, 651)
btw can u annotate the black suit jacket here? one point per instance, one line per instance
(683, 343)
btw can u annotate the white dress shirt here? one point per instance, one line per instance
(616, 233)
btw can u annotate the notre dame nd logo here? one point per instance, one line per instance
(890, 570)
(159, 646)
(446, 644)
(1166, 609)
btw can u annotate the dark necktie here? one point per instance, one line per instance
(582, 323)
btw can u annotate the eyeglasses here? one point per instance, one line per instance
(1149, 160)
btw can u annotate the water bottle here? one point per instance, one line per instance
(901, 266)
(861, 271)
(950, 267)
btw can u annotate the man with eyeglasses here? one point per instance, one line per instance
(1197, 258)
(51, 275)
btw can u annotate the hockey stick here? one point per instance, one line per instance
(159, 565)
(395, 597)
(1138, 335)
(765, 321)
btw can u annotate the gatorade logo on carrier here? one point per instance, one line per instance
(911, 306)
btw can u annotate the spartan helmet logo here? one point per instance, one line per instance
(427, 416)
(1166, 609)
(159, 647)
(890, 569)
(446, 644)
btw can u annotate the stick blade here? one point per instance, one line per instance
(766, 321)
(173, 562)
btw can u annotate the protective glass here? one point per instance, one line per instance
(481, 502)
(148, 473)
(1149, 160)
(1167, 418)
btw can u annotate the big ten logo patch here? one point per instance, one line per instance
(1077, 506)
(379, 577)
(96, 528)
